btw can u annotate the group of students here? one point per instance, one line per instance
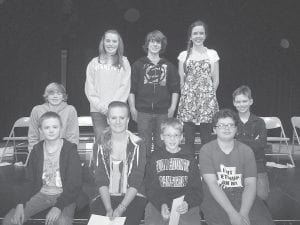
(135, 177)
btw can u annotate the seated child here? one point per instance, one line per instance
(171, 173)
(251, 130)
(229, 170)
(55, 100)
(52, 177)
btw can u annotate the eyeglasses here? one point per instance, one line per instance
(226, 126)
(169, 136)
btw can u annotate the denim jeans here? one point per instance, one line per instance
(99, 123)
(148, 125)
(262, 185)
(38, 203)
(189, 129)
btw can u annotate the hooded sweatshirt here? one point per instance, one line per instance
(153, 85)
(171, 175)
(68, 114)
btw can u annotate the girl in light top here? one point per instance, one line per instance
(119, 169)
(107, 78)
(56, 101)
(199, 75)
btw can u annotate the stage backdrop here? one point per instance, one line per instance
(257, 41)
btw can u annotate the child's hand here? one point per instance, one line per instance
(52, 215)
(165, 212)
(183, 208)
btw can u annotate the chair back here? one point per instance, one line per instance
(295, 121)
(22, 122)
(85, 121)
(272, 122)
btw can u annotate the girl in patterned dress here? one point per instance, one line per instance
(199, 74)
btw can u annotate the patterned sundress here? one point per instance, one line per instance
(198, 101)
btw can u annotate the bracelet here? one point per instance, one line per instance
(122, 206)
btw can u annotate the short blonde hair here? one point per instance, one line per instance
(171, 122)
(55, 87)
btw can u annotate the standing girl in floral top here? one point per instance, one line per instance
(199, 74)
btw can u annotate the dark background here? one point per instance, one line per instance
(247, 34)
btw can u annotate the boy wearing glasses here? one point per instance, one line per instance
(252, 131)
(229, 170)
(170, 173)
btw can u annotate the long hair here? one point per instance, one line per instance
(189, 41)
(118, 57)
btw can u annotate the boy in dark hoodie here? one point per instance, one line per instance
(170, 173)
(155, 87)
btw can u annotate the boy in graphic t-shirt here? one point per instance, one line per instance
(229, 171)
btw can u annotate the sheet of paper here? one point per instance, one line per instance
(174, 216)
(104, 220)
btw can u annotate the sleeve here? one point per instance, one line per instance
(72, 185)
(194, 194)
(173, 79)
(134, 78)
(123, 91)
(182, 56)
(101, 178)
(33, 130)
(72, 129)
(214, 57)
(90, 90)
(250, 163)
(206, 161)
(155, 194)
(259, 143)
(138, 171)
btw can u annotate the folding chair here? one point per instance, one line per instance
(273, 123)
(20, 143)
(296, 125)
(86, 138)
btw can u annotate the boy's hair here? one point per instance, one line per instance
(157, 36)
(171, 122)
(48, 115)
(55, 87)
(118, 104)
(224, 113)
(242, 90)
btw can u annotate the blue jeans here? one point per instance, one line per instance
(148, 124)
(99, 123)
(38, 203)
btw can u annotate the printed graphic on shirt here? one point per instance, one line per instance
(51, 175)
(172, 164)
(155, 74)
(228, 178)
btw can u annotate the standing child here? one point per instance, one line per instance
(251, 130)
(52, 177)
(199, 77)
(155, 87)
(171, 173)
(229, 170)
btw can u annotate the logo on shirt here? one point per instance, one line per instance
(228, 177)
(172, 164)
(156, 74)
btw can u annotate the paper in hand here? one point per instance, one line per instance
(174, 215)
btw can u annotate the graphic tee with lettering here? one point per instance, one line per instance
(51, 174)
(230, 169)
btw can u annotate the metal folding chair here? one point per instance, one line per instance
(275, 123)
(19, 142)
(296, 125)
